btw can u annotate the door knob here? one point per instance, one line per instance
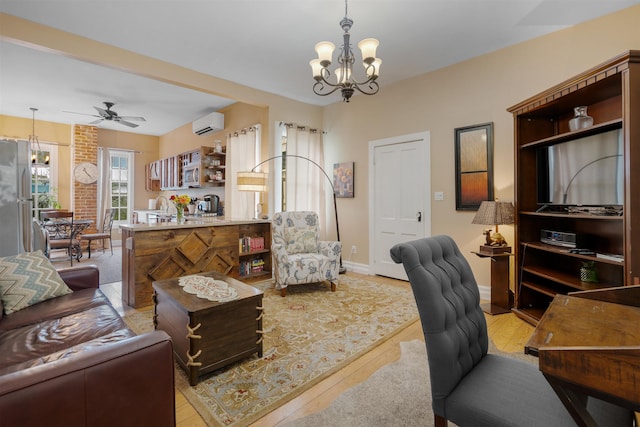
(419, 216)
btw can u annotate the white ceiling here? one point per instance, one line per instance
(263, 44)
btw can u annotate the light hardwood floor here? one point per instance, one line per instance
(508, 333)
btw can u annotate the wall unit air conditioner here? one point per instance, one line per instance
(213, 122)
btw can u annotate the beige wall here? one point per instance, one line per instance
(58, 134)
(145, 148)
(472, 92)
(475, 91)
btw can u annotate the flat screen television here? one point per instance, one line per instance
(587, 171)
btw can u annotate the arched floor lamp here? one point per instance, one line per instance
(257, 182)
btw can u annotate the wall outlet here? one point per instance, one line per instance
(354, 249)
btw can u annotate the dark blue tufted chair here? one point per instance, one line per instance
(470, 387)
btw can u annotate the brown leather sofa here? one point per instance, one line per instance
(72, 361)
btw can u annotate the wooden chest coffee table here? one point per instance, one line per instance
(208, 335)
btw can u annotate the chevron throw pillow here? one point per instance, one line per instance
(27, 279)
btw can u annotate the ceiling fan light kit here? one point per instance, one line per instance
(344, 80)
(110, 115)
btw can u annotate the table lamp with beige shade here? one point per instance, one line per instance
(494, 213)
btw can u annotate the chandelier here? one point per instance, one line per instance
(34, 142)
(344, 79)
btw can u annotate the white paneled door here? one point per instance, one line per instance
(400, 208)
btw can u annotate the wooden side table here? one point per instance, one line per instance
(501, 300)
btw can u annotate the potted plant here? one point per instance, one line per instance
(588, 272)
(49, 200)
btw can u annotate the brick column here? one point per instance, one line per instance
(85, 143)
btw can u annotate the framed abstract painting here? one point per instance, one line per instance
(474, 166)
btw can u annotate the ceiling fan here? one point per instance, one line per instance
(109, 114)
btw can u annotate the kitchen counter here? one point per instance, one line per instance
(165, 250)
(192, 221)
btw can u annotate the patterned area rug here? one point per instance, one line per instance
(398, 394)
(310, 334)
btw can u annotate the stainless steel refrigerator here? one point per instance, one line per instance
(15, 197)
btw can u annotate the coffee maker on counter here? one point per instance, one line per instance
(209, 206)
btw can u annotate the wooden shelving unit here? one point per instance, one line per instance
(611, 92)
(214, 167)
(246, 255)
(168, 173)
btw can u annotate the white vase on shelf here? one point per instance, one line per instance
(581, 120)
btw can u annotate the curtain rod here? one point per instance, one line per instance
(290, 125)
(244, 131)
(121, 149)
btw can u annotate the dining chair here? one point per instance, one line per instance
(470, 387)
(62, 234)
(40, 238)
(104, 233)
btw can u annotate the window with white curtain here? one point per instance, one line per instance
(116, 184)
(243, 154)
(303, 184)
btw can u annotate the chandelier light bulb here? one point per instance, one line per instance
(325, 52)
(338, 73)
(343, 79)
(368, 48)
(373, 69)
(316, 68)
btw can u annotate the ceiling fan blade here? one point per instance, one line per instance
(103, 112)
(133, 118)
(83, 114)
(131, 125)
(95, 122)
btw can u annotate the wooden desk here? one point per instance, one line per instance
(588, 344)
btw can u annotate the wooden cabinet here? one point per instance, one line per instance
(152, 176)
(154, 170)
(164, 174)
(202, 167)
(171, 173)
(611, 93)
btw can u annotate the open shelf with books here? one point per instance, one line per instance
(254, 250)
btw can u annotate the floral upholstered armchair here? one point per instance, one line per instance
(299, 255)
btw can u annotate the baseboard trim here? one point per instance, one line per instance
(356, 268)
(485, 291)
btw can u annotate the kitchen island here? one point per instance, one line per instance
(236, 248)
